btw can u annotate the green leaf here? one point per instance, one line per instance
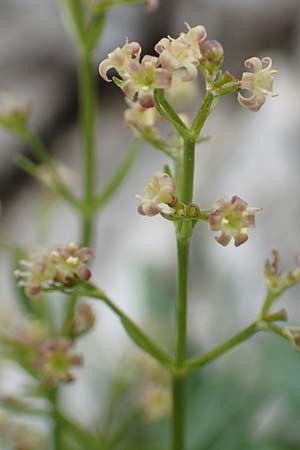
(148, 346)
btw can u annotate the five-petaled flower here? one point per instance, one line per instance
(233, 218)
(259, 83)
(183, 52)
(159, 190)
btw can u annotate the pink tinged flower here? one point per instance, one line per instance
(55, 360)
(233, 218)
(63, 266)
(183, 52)
(159, 190)
(120, 59)
(142, 78)
(258, 83)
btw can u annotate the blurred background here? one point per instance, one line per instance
(250, 399)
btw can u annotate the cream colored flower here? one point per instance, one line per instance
(143, 119)
(120, 59)
(259, 82)
(142, 78)
(138, 78)
(159, 189)
(182, 52)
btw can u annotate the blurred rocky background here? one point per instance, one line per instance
(255, 156)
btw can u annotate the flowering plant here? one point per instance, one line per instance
(47, 350)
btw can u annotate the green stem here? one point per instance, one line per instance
(178, 384)
(178, 413)
(267, 304)
(204, 112)
(182, 255)
(219, 350)
(165, 110)
(188, 171)
(57, 428)
(87, 91)
(184, 231)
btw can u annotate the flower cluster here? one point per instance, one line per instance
(184, 56)
(159, 190)
(61, 266)
(183, 52)
(233, 218)
(140, 77)
(258, 83)
(32, 345)
(277, 282)
(55, 360)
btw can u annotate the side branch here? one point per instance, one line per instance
(219, 350)
(134, 331)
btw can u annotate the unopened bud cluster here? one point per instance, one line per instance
(277, 282)
(59, 267)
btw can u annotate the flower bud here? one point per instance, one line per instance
(213, 52)
(277, 282)
(192, 210)
(83, 321)
(13, 115)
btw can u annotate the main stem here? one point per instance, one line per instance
(87, 91)
(183, 234)
(178, 384)
(57, 429)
